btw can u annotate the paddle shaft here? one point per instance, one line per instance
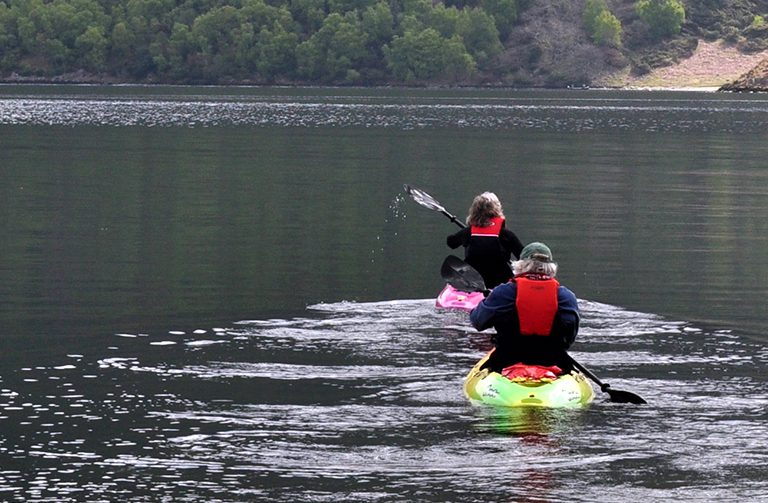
(584, 370)
(454, 219)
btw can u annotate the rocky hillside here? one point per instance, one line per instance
(718, 43)
(755, 80)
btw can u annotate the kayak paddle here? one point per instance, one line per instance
(428, 201)
(463, 277)
(617, 396)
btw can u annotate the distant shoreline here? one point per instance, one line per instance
(64, 82)
(713, 65)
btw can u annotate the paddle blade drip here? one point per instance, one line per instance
(423, 198)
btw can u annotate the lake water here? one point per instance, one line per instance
(224, 295)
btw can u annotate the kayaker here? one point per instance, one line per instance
(488, 244)
(536, 319)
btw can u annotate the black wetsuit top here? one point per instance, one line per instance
(493, 262)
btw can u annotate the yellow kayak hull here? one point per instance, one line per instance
(491, 388)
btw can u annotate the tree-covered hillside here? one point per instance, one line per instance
(362, 42)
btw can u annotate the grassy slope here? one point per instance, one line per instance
(712, 65)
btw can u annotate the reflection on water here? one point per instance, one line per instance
(138, 223)
(363, 402)
(472, 110)
(167, 207)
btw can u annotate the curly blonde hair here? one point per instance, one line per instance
(485, 207)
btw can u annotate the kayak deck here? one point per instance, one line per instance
(450, 298)
(491, 388)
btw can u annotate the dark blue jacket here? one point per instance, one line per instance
(498, 311)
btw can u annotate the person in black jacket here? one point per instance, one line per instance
(488, 244)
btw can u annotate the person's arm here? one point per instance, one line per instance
(499, 306)
(460, 238)
(511, 242)
(568, 316)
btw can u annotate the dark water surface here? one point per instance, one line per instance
(224, 295)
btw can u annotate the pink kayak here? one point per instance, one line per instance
(450, 298)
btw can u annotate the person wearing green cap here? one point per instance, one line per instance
(536, 319)
(488, 244)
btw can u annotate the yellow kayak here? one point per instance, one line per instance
(491, 388)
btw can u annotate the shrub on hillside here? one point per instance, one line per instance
(665, 18)
(601, 25)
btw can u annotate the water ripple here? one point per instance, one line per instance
(363, 402)
(320, 111)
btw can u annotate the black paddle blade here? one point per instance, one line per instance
(423, 198)
(461, 276)
(618, 396)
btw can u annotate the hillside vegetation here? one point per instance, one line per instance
(519, 43)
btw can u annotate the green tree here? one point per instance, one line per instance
(409, 22)
(185, 63)
(607, 30)
(140, 25)
(447, 21)
(158, 49)
(338, 47)
(245, 38)
(663, 17)
(418, 8)
(259, 14)
(308, 13)
(213, 30)
(480, 35)
(91, 48)
(152, 11)
(378, 24)
(276, 50)
(225, 38)
(475, 27)
(344, 6)
(602, 27)
(51, 30)
(121, 41)
(592, 9)
(7, 22)
(9, 41)
(504, 13)
(425, 54)
(181, 44)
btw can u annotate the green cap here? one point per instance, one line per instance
(536, 251)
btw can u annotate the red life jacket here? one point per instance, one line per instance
(485, 253)
(493, 229)
(536, 303)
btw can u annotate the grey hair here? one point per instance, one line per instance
(529, 265)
